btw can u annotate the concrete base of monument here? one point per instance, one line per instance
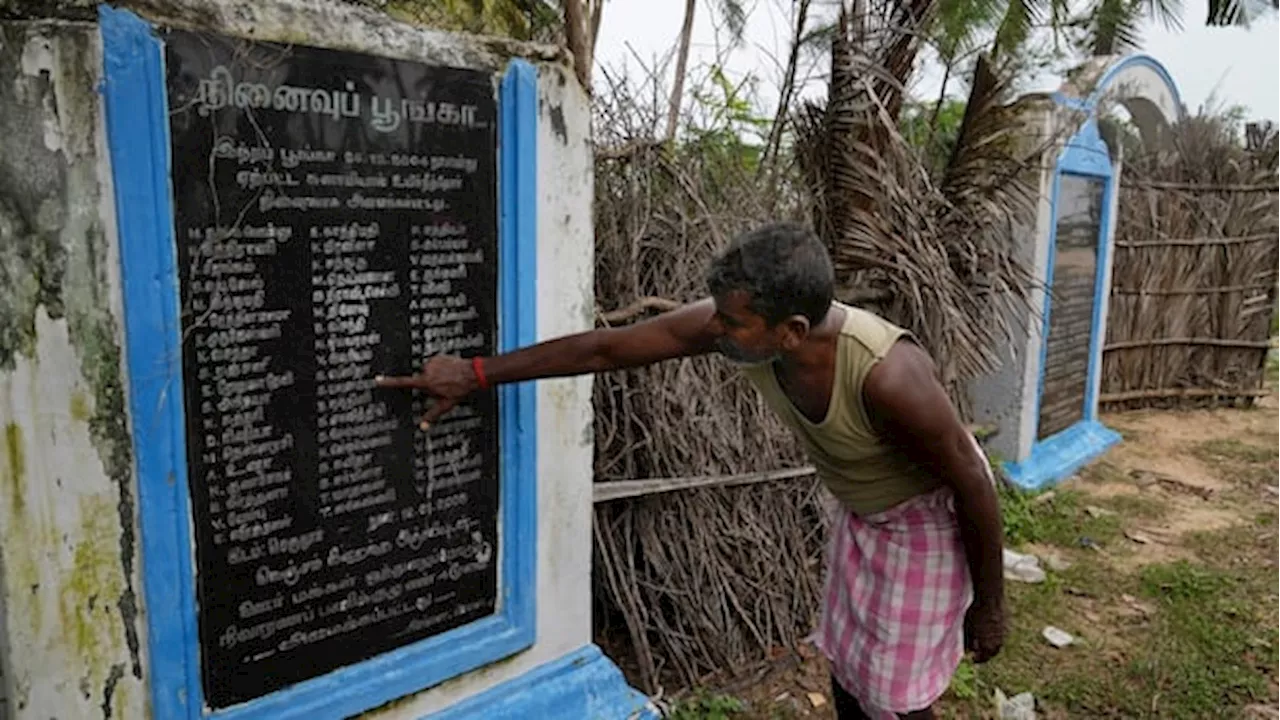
(1058, 457)
(579, 686)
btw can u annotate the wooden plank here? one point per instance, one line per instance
(1206, 342)
(1179, 393)
(1212, 290)
(1198, 187)
(1198, 242)
(622, 489)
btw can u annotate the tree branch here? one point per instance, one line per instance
(682, 65)
(788, 87)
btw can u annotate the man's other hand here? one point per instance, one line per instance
(984, 630)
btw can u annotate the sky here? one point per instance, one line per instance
(1225, 66)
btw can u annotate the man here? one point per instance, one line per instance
(915, 560)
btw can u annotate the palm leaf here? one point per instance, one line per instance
(890, 230)
(1019, 17)
(1113, 26)
(735, 18)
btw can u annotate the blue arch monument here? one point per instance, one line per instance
(1044, 398)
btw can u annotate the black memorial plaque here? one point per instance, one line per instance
(335, 218)
(1075, 270)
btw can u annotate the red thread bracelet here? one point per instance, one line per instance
(478, 366)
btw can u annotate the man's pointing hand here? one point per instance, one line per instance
(446, 378)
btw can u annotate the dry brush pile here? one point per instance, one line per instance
(701, 579)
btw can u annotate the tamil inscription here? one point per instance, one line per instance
(335, 218)
(1075, 270)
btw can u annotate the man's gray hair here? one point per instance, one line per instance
(784, 269)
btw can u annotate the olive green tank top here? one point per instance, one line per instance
(865, 474)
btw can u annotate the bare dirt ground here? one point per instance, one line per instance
(1167, 580)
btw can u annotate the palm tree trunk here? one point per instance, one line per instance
(575, 34)
(682, 65)
(597, 11)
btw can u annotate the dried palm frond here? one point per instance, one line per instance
(946, 256)
(989, 188)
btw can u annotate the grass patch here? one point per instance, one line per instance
(1058, 520)
(964, 684)
(1136, 506)
(1076, 676)
(1214, 649)
(707, 706)
(1207, 652)
(1230, 450)
(1247, 464)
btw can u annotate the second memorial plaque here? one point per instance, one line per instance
(335, 218)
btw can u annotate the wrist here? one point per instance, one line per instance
(479, 380)
(989, 596)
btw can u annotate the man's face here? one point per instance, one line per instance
(745, 337)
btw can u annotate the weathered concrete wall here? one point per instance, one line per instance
(347, 25)
(1006, 397)
(70, 624)
(68, 563)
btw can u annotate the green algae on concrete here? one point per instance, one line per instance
(84, 608)
(15, 468)
(54, 215)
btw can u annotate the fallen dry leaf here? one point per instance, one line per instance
(817, 699)
(1137, 537)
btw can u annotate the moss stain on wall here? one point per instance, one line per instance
(55, 246)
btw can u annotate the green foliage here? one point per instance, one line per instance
(1205, 648)
(933, 131)
(729, 133)
(964, 684)
(960, 24)
(1058, 520)
(705, 706)
(1213, 648)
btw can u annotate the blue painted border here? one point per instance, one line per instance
(138, 138)
(1060, 456)
(1086, 154)
(1090, 103)
(137, 132)
(582, 684)
(1057, 457)
(1140, 59)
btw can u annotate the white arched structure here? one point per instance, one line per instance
(1044, 402)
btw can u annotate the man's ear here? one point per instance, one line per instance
(795, 330)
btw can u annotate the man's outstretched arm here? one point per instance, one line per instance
(683, 332)
(903, 394)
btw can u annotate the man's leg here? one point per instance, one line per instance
(847, 707)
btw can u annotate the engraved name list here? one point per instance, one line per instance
(335, 218)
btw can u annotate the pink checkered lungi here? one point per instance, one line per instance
(897, 591)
